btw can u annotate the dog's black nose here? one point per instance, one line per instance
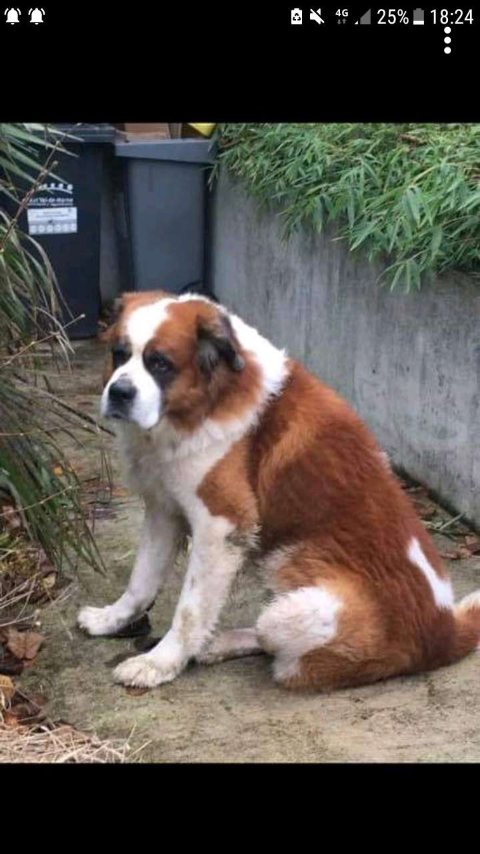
(122, 391)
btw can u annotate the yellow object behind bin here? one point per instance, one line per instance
(205, 129)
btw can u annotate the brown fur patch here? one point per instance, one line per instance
(192, 397)
(226, 489)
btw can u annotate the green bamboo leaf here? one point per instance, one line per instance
(412, 204)
(361, 236)
(436, 240)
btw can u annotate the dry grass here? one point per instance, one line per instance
(42, 740)
(61, 744)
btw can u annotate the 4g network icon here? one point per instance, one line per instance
(13, 15)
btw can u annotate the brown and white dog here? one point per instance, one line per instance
(225, 436)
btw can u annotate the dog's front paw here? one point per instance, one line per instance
(99, 621)
(144, 671)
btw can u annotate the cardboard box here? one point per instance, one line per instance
(144, 130)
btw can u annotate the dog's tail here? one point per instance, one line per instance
(467, 620)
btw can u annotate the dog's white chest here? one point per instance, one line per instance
(157, 470)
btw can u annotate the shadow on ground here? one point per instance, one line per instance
(233, 712)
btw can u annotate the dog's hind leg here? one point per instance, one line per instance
(158, 548)
(328, 635)
(235, 643)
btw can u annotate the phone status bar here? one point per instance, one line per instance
(402, 17)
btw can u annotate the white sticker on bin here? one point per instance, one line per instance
(52, 220)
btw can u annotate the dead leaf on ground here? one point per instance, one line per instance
(24, 645)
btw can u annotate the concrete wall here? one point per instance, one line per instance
(409, 364)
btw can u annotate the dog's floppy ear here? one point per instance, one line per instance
(216, 342)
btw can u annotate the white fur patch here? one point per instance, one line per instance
(151, 669)
(144, 322)
(147, 404)
(441, 588)
(296, 623)
(270, 358)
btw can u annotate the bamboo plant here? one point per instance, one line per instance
(35, 478)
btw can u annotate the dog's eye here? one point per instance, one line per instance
(119, 355)
(158, 363)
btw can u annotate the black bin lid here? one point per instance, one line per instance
(87, 133)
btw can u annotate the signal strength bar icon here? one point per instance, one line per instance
(366, 18)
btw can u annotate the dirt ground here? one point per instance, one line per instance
(233, 712)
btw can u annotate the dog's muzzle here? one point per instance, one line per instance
(121, 395)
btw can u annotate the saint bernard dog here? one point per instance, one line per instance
(230, 441)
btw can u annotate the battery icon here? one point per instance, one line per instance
(418, 16)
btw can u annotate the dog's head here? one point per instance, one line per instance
(171, 356)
